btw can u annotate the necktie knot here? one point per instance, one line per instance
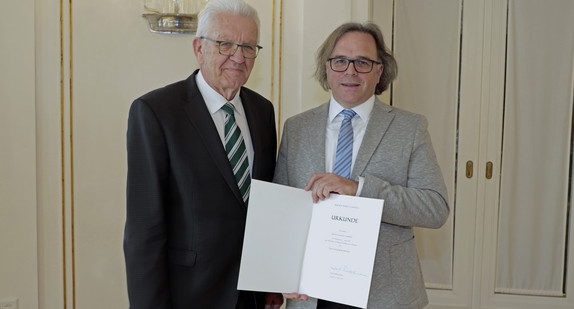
(228, 108)
(348, 114)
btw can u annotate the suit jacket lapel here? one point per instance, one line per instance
(317, 137)
(381, 118)
(201, 120)
(254, 128)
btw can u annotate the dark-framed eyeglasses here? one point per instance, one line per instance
(250, 51)
(362, 65)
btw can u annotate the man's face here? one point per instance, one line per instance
(226, 74)
(350, 88)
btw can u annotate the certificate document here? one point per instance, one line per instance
(325, 250)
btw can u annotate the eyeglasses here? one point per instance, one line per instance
(229, 48)
(341, 64)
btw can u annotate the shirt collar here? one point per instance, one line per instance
(363, 110)
(213, 100)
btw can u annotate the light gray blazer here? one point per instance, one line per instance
(398, 163)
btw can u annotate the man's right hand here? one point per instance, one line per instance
(296, 296)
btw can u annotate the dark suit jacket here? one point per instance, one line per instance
(185, 216)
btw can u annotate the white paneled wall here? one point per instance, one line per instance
(536, 149)
(427, 48)
(18, 229)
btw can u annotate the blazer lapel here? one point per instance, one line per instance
(381, 118)
(201, 120)
(317, 137)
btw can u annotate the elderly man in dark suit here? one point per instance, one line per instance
(357, 145)
(193, 147)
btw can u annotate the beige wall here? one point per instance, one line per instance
(18, 230)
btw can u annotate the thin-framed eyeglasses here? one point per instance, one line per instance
(250, 51)
(362, 65)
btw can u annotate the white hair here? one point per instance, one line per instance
(216, 7)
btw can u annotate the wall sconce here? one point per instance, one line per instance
(173, 16)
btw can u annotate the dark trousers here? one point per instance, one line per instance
(324, 304)
(250, 300)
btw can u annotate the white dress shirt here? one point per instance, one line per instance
(214, 101)
(359, 123)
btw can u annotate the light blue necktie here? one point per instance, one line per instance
(344, 154)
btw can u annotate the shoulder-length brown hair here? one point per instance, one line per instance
(384, 55)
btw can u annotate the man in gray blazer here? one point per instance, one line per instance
(356, 145)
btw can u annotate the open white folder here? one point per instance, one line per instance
(325, 250)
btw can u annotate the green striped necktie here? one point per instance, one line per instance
(236, 151)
